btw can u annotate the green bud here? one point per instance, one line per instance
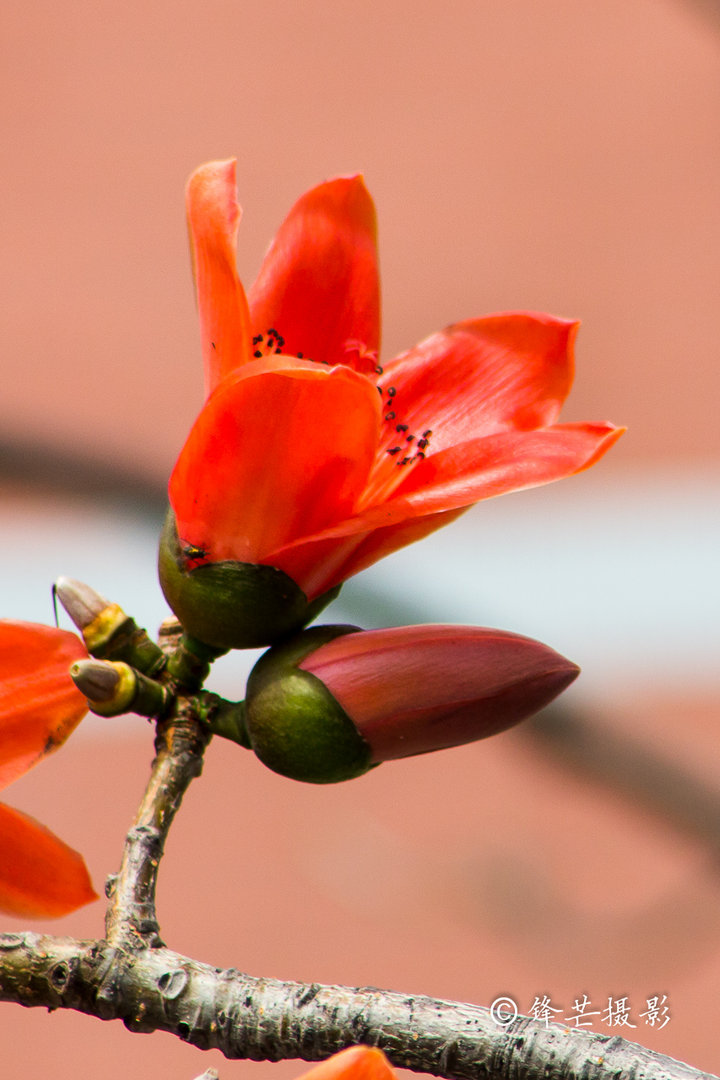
(232, 605)
(112, 688)
(295, 725)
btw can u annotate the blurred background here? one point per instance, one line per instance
(555, 156)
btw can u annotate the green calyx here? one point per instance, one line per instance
(233, 605)
(295, 725)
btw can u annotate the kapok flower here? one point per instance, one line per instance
(311, 457)
(40, 876)
(355, 1063)
(334, 701)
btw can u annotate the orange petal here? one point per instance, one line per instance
(437, 490)
(39, 703)
(356, 1063)
(283, 450)
(319, 286)
(213, 218)
(319, 565)
(484, 375)
(40, 876)
(507, 461)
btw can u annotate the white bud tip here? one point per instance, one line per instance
(82, 603)
(96, 679)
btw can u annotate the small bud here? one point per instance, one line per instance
(81, 602)
(231, 605)
(96, 679)
(96, 617)
(334, 701)
(109, 633)
(113, 688)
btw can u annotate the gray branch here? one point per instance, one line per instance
(155, 989)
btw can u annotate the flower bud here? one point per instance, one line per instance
(98, 680)
(107, 631)
(334, 701)
(113, 688)
(231, 605)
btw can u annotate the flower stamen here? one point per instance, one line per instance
(268, 343)
(392, 454)
(399, 450)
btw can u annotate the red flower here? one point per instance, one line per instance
(333, 701)
(311, 457)
(39, 708)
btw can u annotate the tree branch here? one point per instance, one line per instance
(156, 989)
(131, 920)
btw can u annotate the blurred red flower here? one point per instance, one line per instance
(40, 876)
(311, 457)
(355, 1063)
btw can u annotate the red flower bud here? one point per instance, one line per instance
(333, 702)
(410, 689)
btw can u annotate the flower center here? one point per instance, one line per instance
(399, 448)
(357, 356)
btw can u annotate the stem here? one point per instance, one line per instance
(131, 920)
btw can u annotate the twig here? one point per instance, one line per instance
(131, 920)
(265, 1019)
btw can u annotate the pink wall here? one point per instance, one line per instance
(558, 156)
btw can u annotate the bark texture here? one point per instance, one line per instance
(155, 989)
